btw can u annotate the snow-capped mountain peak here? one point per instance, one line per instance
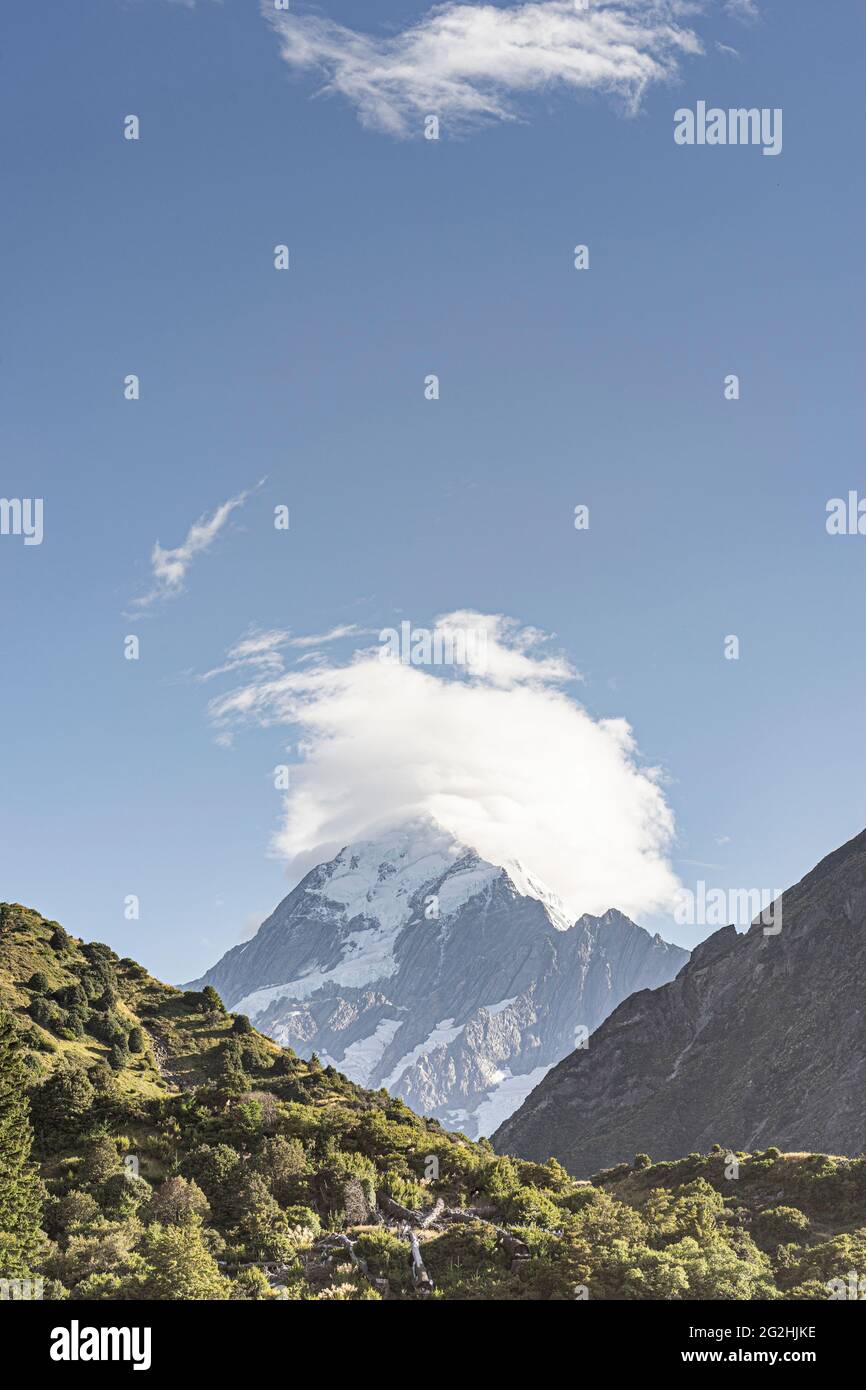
(531, 886)
(382, 878)
(410, 962)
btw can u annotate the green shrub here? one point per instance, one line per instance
(387, 1257)
(303, 1218)
(780, 1225)
(101, 1161)
(531, 1207)
(251, 1284)
(46, 1013)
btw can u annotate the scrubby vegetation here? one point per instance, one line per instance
(154, 1146)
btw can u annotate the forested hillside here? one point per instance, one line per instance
(154, 1146)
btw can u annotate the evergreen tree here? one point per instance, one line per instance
(282, 1163)
(211, 1001)
(59, 940)
(102, 1079)
(21, 1191)
(100, 1162)
(178, 1203)
(179, 1265)
(70, 996)
(232, 1058)
(61, 1104)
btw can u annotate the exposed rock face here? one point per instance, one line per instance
(410, 963)
(760, 1040)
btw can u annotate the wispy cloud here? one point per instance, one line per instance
(469, 63)
(746, 10)
(265, 651)
(258, 651)
(321, 638)
(170, 567)
(498, 752)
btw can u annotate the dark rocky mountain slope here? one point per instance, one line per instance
(760, 1040)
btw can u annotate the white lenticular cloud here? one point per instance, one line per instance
(467, 63)
(502, 756)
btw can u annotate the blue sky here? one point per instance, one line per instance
(558, 387)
